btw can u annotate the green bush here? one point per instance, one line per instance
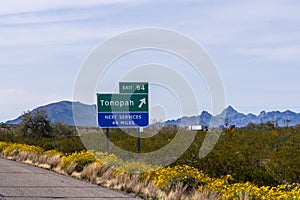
(261, 156)
(61, 129)
(35, 124)
(187, 181)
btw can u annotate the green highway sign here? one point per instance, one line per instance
(122, 102)
(133, 87)
(129, 108)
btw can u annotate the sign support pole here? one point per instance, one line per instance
(139, 141)
(107, 140)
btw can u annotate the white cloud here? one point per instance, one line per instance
(286, 54)
(21, 6)
(57, 28)
(243, 23)
(43, 17)
(62, 33)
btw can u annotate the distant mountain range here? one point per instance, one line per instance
(62, 112)
(233, 117)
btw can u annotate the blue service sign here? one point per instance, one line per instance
(123, 119)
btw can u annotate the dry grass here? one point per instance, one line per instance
(23, 156)
(51, 161)
(108, 177)
(101, 175)
(130, 184)
(92, 171)
(180, 193)
(70, 168)
(54, 161)
(76, 174)
(244, 196)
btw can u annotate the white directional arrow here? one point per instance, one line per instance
(143, 101)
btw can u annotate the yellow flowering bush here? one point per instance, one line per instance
(53, 152)
(80, 159)
(135, 167)
(217, 184)
(3, 145)
(109, 160)
(163, 176)
(16, 148)
(190, 176)
(250, 191)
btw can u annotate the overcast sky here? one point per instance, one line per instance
(254, 44)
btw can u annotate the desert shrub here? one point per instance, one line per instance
(258, 156)
(168, 177)
(61, 129)
(69, 144)
(135, 167)
(187, 181)
(284, 163)
(16, 148)
(3, 145)
(64, 144)
(79, 160)
(35, 124)
(48, 146)
(109, 160)
(53, 152)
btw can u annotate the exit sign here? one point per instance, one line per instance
(133, 87)
(129, 108)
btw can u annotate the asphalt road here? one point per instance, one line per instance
(22, 181)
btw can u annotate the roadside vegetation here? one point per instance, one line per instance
(254, 162)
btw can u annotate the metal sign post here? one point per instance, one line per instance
(107, 139)
(140, 130)
(139, 141)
